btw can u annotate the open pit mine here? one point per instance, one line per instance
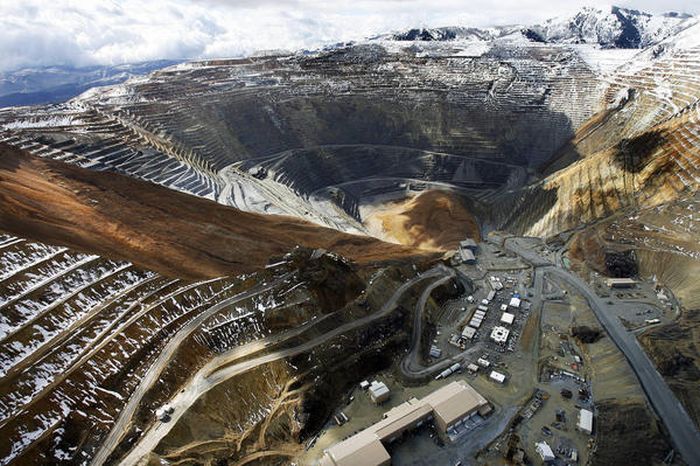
(433, 247)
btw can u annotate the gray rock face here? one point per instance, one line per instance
(280, 134)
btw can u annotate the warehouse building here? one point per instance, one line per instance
(469, 244)
(447, 407)
(621, 282)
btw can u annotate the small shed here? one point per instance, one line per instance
(545, 451)
(497, 376)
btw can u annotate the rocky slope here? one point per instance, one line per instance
(146, 194)
(641, 150)
(80, 334)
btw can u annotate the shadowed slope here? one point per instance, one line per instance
(157, 228)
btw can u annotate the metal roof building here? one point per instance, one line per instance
(585, 421)
(545, 451)
(621, 282)
(378, 392)
(467, 256)
(468, 244)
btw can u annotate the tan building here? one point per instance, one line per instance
(446, 407)
(621, 282)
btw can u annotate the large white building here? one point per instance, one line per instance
(507, 318)
(500, 334)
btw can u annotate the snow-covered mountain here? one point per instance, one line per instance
(611, 27)
(453, 33)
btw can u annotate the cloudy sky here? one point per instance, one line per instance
(87, 32)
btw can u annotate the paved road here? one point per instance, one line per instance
(411, 365)
(683, 431)
(219, 370)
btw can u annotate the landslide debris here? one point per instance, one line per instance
(434, 220)
(157, 228)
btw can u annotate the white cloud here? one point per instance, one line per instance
(82, 32)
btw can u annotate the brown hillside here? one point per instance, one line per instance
(157, 228)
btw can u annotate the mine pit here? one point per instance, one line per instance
(213, 263)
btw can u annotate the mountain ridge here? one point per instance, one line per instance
(612, 27)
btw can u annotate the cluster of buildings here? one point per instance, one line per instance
(450, 408)
(500, 333)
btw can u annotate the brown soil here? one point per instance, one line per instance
(674, 350)
(157, 228)
(434, 220)
(627, 434)
(665, 243)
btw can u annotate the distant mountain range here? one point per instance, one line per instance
(612, 27)
(608, 28)
(59, 83)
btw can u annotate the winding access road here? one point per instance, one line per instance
(681, 428)
(220, 369)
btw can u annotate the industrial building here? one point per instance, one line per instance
(468, 244)
(447, 407)
(585, 421)
(467, 256)
(468, 332)
(378, 392)
(621, 282)
(500, 334)
(497, 377)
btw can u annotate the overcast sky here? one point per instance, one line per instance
(87, 32)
